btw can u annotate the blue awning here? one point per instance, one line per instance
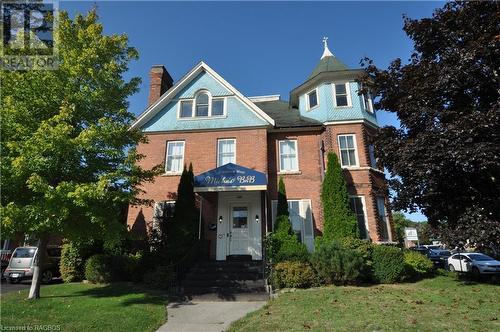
(230, 177)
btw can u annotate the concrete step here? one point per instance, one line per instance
(239, 297)
(230, 264)
(197, 275)
(243, 284)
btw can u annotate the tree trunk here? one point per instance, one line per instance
(38, 264)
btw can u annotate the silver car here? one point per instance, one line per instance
(473, 262)
(21, 264)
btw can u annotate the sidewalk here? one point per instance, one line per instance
(206, 316)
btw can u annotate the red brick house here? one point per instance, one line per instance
(239, 147)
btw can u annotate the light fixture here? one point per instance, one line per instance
(220, 219)
(256, 218)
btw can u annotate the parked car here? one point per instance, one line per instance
(473, 262)
(4, 258)
(439, 257)
(421, 250)
(21, 264)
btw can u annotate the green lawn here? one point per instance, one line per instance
(83, 307)
(439, 304)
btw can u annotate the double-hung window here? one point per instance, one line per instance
(186, 110)
(312, 99)
(288, 156)
(163, 212)
(342, 96)
(301, 219)
(367, 102)
(383, 218)
(226, 151)
(373, 159)
(357, 206)
(175, 157)
(348, 153)
(202, 105)
(202, 102)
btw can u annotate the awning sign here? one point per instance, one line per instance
(411, 234)
(230, 177)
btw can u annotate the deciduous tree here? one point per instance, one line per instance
(68, 157)
(445, 157)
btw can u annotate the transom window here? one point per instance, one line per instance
(203, 105)
(347, 147)
(312, 99)
(357, 206)
(288, 156)
(175, 157)
(341, 94)
(226, 151)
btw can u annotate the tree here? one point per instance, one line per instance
(283, 223)
(339, 219)
(400, 223)
(68, 157)
(182, 232)
(445, 157)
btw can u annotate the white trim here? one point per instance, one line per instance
(166, 157)
(258, 99)
(348, 94)
(355, 150)
(364, 213)
(230, 188)
(218, 151)
(193, 107)
(296, 156)
(308, 107)
(167, 96)
(368, 123)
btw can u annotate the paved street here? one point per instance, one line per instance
(5, 287)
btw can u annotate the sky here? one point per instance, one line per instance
(261, 48)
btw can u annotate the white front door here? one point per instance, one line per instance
(239, 236)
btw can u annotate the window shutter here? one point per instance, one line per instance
(305, 212)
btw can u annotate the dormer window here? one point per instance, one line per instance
(312, 99)
(203, 105)
(341, 95)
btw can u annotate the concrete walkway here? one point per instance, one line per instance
(206, 316)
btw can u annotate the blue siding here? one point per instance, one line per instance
(327, 112)
(238, 114)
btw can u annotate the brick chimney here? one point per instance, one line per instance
(160, 81)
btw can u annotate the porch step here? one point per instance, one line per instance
(227, 280)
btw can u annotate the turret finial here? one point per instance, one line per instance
(326, 52)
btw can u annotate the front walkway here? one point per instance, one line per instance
(206, 316)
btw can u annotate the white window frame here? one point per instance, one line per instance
(296, 156)
(166, 156)
(367, 97)
(348, 94)
(193, 107)
(308, 106)
(274, 206)
(218, 149)
(364, 213)
(355, 150)
(386, 218)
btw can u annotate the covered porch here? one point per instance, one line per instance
(233, 213)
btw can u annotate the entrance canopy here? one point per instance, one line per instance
(230, 177)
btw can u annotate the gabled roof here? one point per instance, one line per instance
(158, 105)
(286, 117)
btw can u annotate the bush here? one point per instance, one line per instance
(336, 264)
(282, 245)
(160, 277)
(417, 265)
(293, 275)
(73, 257)
(365, 249)
(98, 269)
(388, 264)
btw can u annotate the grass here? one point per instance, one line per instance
(439, 304)
(84, 307)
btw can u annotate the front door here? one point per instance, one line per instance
(239, 238)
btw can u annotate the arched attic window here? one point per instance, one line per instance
(202, 103)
